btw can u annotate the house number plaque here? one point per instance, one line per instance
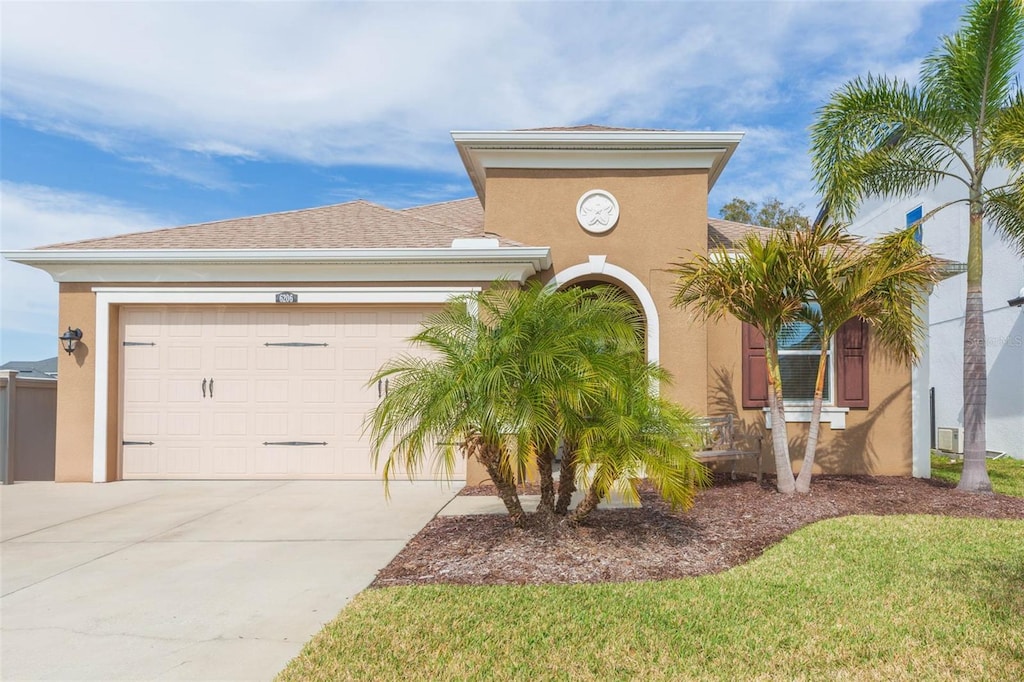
(286, 297)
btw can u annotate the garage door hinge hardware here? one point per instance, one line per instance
(294, 442)
(138, 343)
(296, 344)
(137, 442)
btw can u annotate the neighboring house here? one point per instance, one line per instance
(40, 369)
(242, 348)
(945, 234)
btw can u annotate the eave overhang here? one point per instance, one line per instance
(286, 265)
(593, 149)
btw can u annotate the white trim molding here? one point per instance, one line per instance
(107, 297)
(920, 413)
(834, 416)
(599, 265)
(593, 149)
(459, 263)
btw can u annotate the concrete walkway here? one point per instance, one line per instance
(201, 580)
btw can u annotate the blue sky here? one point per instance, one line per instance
(122, 117)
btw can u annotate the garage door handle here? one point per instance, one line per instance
(204, 388)
(379, 394)
(211, 387)
(295, 443)
(386, 390)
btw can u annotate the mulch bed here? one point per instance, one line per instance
(731, 523)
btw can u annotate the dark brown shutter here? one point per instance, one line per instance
(852, 364)
(755, 371)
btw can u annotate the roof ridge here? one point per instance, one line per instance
(438, 203)
(407, 216)
(740, 224)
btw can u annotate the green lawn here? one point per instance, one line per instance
(882, 598)
(1007, 474)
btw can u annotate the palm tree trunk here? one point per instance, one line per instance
(780, 438)
(566, 479)
(587, 504)
(975, 475)
(490, 457)
(803, 481)
(545, 462)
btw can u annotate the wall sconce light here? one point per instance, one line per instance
(69, 339)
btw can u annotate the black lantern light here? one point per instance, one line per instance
(69, 339)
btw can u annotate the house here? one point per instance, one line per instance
(945, 235)
(242, 348)
(38, 369)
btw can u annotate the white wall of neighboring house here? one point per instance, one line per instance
(945, 235)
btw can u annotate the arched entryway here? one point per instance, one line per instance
(599, 271)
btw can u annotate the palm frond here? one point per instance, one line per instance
(972, 71)
(1004, 209)
(1005, 141)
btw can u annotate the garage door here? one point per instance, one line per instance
(230, 392)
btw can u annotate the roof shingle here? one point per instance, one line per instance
(353, 225)
(725, 233)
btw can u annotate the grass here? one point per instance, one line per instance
(876, 598)
(1007, 474)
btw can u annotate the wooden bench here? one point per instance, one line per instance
(720, 444)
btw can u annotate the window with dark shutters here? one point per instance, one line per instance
(850, 357)
(852, 364)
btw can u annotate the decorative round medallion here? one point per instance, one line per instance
(597, 211)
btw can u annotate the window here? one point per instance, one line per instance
(914, 216)
(799, 350)
(846, 383)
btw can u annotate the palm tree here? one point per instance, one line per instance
(821, 278)
(884, 283)
(634, 436)
(758, 283)
(513, 371)
(878, 137)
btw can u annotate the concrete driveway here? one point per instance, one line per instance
(201, 580)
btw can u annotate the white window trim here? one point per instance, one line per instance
(106, 297)
(798, 411)
(801, 414)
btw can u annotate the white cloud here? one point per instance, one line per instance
(32, 215)
(381, 83)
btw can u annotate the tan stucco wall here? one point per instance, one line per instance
(663, 215)
(875, 441)
(76, 385)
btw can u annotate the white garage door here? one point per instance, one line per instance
(236, 392)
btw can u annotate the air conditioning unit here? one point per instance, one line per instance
(950, 440)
